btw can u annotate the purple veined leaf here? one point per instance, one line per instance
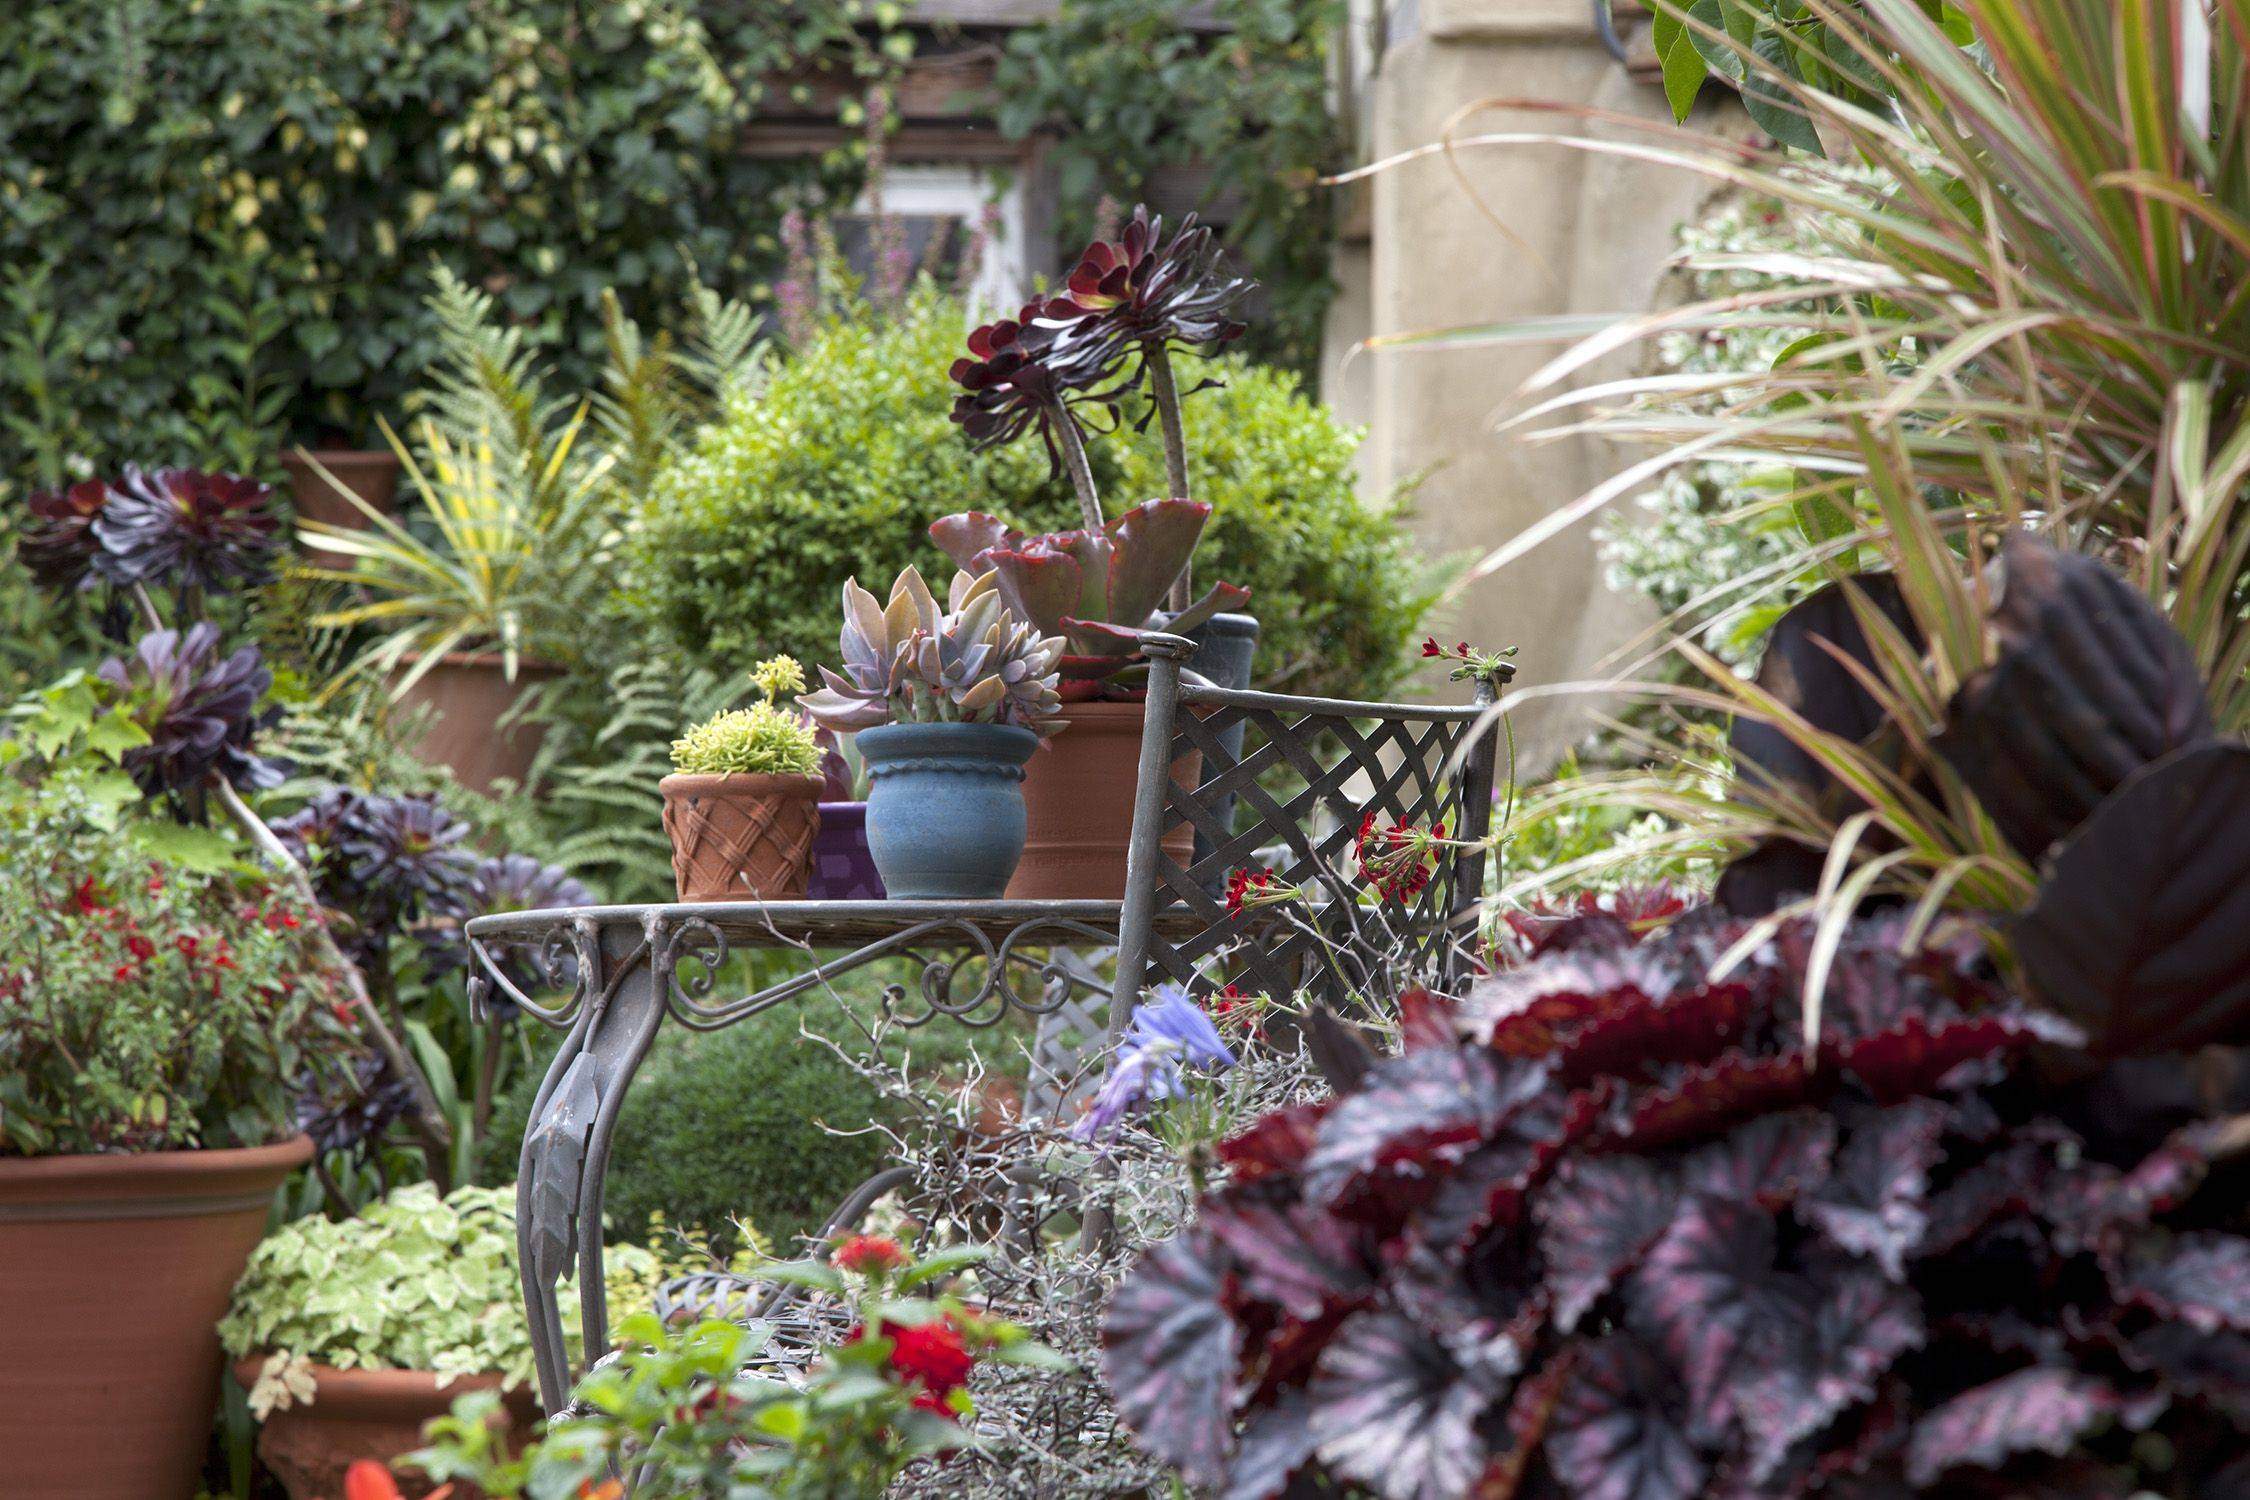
(1489, 1320)
(1531, 1011)
(1707, 1099)
(2212, 1367)
(2200, 1278)
(1531, 1412)
(1711, 1295)
(2090, 684)
(1801, 670)
(1276, 1143)
(1693, 1025)
(2039, 1410)
(2092, 1204)
(1620, 1431)
(1767, 1161)
(1486, 1191)
(1169, 1351)
(2141, 933)
(1426, 1019)
(2008, 1181)
(1295, 1256)
(1595, 1225)
(1393, 1411)
(1410, 1117)
(1873, 1203)
(1152, 545)
(1276, 1443)
(1859, 1327)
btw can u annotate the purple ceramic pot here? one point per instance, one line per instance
(842, 867)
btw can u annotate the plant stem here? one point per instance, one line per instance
(1166, 392)
(1081, 471)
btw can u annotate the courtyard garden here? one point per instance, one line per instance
(651, 851)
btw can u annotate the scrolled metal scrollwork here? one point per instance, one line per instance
(567, 953)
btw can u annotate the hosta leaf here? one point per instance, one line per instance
(2091, 683)
(1413, 1114)
(1873, 1203)
(1169, 1352)
(2039, 1410)
(1600, 1218)
(1620, 1430)
(1392, 1410)
(2142, 930)
(2201, 1279)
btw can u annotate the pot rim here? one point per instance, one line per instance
(368, 1392)
(763, 783)
(330, 458)
(147, 1184)
(525, 665)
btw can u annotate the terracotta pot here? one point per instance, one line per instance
(114, 1273)
(741, 837)
(370, 473)
(1078, 796)
(377, 1414)
(468, 694)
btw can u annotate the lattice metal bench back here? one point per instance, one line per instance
(1413, 764)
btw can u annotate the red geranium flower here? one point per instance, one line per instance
(869, 1254)
(932, 1355)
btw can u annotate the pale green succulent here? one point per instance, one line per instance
(908, 661)
(764, 739)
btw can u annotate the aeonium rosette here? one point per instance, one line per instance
(1611, 1227)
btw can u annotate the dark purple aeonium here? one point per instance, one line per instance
(380, 861)
(185, 529)
(1613, 1230)
(1032, 370)
(501, 883)
(199, 710)
(59, 546)
(1142, 286)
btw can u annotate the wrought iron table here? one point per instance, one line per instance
(622, 969)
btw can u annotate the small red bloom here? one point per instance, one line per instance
(932, 1355)
(1430, 647)
(187, 944)
(869, 1254)
(1243, 886)
(140, 947)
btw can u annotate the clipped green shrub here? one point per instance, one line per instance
(837, 467)
(720, 1125)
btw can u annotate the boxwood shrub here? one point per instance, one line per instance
(839, 464)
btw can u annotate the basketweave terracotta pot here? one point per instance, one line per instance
(370, 473)
(469, 698)
(369, 1414)
(741, 837)
(114, 1273)
(1078, 803)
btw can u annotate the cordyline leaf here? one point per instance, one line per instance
(1411, 1115)
(1800, 668)
(1873, 1202)
(2141, 933)
(1169, 1351)
(1767, 1161)
(1392, 1410)
(2091, 683)
(1298, 1257)
(1604, 1213)
(1620, 1431)
(2201, 1279)
(2040, 1410)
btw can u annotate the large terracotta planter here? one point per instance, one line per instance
(114, 1273)
(377, 1414)
(1078, 800)
(370, 473)
(741, 837)
(468, 694)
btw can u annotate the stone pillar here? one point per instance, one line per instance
(1556, 230)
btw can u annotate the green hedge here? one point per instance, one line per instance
(219, 219)
(839, 465)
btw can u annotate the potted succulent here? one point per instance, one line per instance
(474, 609)
(843, 867)
(350, 1337)
(742, 806)
(1129, 304)
(156, 1017)
(946, 706)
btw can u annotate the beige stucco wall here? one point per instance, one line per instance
(1595, 234)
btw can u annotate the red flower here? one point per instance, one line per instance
(932, 1355)
(1244, 887)
(870, 1254)
(187, 944)
(369, 1480)
(84, 897)
(140, 947)
(1430, 647)
(1397, 861)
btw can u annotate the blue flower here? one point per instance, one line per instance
(1164, 1031)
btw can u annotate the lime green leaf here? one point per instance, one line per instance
(1684, 67)
(114, 733)
(185, 846)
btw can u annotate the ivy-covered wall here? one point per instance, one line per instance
(219, 218)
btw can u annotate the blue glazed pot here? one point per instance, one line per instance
(945, 807)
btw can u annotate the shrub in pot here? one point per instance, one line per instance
(1126, 307)
(742, 806)
(157, 1015)
(350, 1337)
(947, 704)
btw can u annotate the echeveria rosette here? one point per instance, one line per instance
(1613, 1228)
(198, 708)
(59, 546)
(1097, 590)
(186, 529)
(1142, 285)
(908, 660)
